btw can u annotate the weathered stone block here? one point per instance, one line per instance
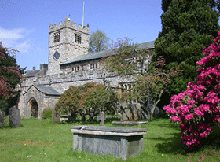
(117, 141)
(129, 123)
(55, 117)
(14, 117)
(2, 118)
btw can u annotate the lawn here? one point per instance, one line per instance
(40, 140)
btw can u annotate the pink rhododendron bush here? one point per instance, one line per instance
(198, 108)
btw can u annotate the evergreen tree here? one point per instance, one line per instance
(187, 27)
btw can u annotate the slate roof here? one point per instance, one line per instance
(31, 73)
(149, 45)
(105, 53)
(91, 56)
(47, 90)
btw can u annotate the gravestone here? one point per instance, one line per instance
(2, 118)
(55, 117)
(102, 115)
(14, 117)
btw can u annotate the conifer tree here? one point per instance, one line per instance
(187, 27)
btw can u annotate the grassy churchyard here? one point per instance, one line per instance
(40, 140)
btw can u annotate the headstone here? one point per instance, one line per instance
(135, 112)
(2, 118)
(121, 119)
(102, 118)
(14, 117)
(55, 117)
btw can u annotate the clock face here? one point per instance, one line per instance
(56, 55)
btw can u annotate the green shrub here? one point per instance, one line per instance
(47, 114)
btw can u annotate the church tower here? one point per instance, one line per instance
(66, 41)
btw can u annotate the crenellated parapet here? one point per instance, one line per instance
(68, 24)
(66, 41)
(73, 77)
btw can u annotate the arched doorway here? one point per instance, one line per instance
(34, 109)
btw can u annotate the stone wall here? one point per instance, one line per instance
(61, 82)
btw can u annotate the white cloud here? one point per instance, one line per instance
(16, 39)
(23, 47)
(11, 33)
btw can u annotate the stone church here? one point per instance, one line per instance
(70, 64)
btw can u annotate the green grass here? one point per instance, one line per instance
(40, 140)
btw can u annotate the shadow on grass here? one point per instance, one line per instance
(171, 145)
(175, 146)
(170, 125)
(9, 126)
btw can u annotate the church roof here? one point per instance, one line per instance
(149, 45)
(31, 73)
(105, 53)
(47, 90)
(91, 56)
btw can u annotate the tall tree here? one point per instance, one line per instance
(149, 79)
(9, 77)
(187, 27)
(98, 41)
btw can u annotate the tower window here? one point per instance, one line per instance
(56, 37)
(78, 38)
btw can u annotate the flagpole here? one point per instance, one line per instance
(83, 14)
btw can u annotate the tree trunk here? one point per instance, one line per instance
(73, 116)
(83, 117)
(154, 106)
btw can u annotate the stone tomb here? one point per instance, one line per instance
(118, 141)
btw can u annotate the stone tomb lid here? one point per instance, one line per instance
(100, 130)
(130, 122)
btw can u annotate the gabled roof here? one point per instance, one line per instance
(105, 53)
(46, 90)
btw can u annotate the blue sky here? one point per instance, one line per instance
(24, 24)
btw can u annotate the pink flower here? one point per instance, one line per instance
(205, 107)
(182, 125)
(175, 118)
(209, 129)
(189, 116)
(193, 140)
(188, 143)
(191, 102)
(202, 135)
(173, 111)
(198, 112)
